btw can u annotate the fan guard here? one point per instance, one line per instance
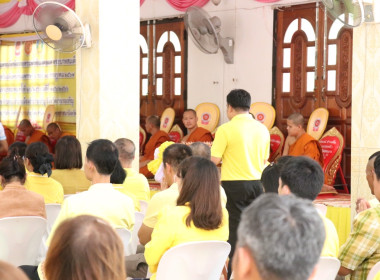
(58, 26)
(349, 12)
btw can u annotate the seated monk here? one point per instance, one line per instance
(54, 132)
(194, 133)
(298, 142)
(33, 135)
(152, 126)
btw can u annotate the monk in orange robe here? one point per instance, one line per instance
(152, 126)
(195, 133)
(33, 135)
(55, 132)
(299, 142)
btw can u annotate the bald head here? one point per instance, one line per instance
(26, 127)
(153, 120)
(200, 149)
(53, 131)
(296, 118)
(126, 149)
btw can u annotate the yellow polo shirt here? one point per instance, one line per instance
(243, 145)
(171, 230)
(50, 189)
(101, 200)
(331, 245)
(72, 180)
(166, 198)
(137, 184)
(121, 188)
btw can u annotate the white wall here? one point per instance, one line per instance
(209, 78)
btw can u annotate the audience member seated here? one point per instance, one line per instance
(198, 215)
(304, 178)
(32, 135)
(172, 157)
(38, 163)
(361, 203)
(298, 142)
(135, 182)
(10, 272)
(68, 164)
(17, 148)
(117, 178)
(362, 248)
(101, 199)
(271, 174)
(3, 140)
(279, 237)
(152, 126)
(85, 248)
(203, 150)
(15, 199)
(55, 133)
(194, 133)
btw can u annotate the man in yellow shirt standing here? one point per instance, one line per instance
(135, 182)
(101, 199)
(242, 145)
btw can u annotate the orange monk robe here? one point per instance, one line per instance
(200, 135)
(39, 136)
(154, 142)
(306, 145)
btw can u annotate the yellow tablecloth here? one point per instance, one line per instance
(341, 217)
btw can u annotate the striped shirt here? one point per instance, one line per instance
(362, 248)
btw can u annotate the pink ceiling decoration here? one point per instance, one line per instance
(182, 5)
(10, 12)
(268, 1)
(141, 2)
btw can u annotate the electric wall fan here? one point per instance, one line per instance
(349, 12)
(60, 28)
(205, 32)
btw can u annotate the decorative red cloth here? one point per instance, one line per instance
(182, 5)
(12, 15)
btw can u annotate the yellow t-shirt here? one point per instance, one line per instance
(377, 276)
(166, 198)
(171, 230)
(122, 189)
(50, 189)
(137, 184)
(101, 200)
(243, 145)
(72, 180)
(331, 245)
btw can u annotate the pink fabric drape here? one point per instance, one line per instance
(11, 16)
(182, 5)
(141, 2)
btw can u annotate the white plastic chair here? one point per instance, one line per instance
(194, 260)
(139, 217)
(20, 239)
(374, 270)
(143, 206)
(327, 268)
(52, 212)
(125, 236)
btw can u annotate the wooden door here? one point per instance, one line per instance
(162, 67)
(302, 84)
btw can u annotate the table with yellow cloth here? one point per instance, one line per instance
(339, 212)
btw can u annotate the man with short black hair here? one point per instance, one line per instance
(171, 159)
(303, 177)
(101, 199)
(362, 248)
(242, 145)
(279, 237)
